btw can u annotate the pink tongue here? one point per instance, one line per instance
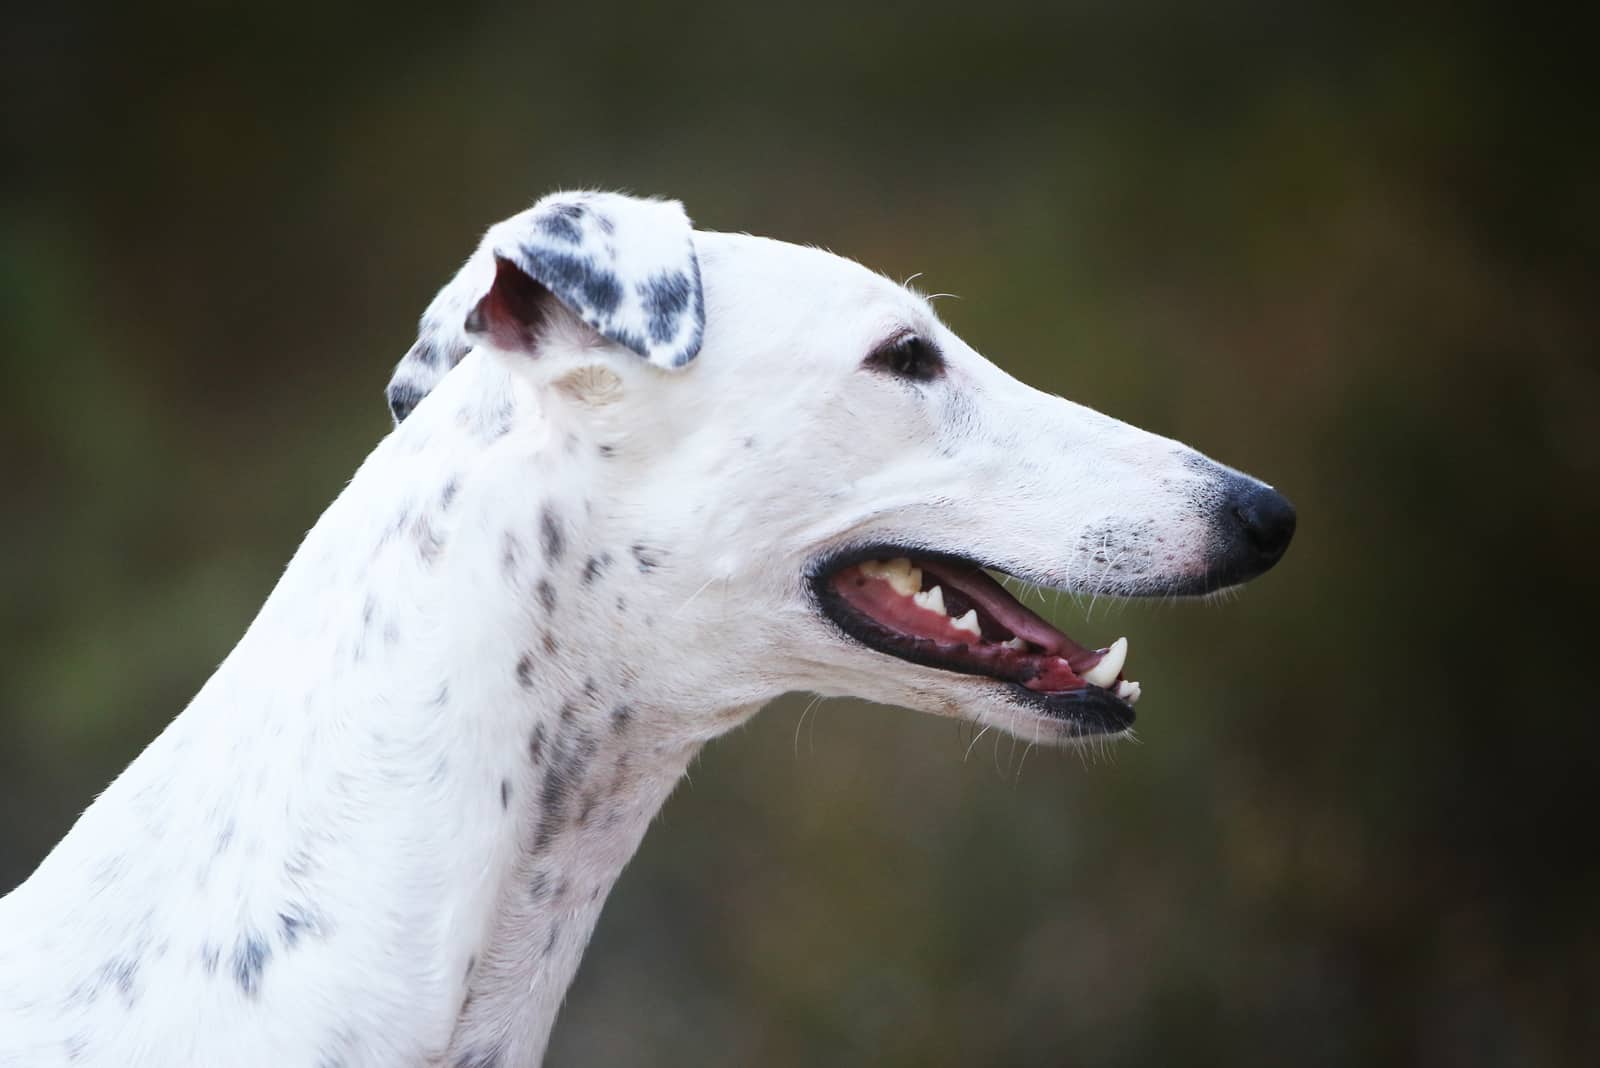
(982, 590)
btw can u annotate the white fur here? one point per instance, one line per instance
(312, 865)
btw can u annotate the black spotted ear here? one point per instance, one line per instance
(625, 266)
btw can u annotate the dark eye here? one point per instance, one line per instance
(907, 356)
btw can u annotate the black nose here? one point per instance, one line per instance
(1268, 521)
(1254, 529)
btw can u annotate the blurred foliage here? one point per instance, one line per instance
(1351, 250)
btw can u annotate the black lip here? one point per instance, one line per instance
(1090, 711)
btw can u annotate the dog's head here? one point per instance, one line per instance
(812, 481)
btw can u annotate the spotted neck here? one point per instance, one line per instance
(574, 756)
(393, 814)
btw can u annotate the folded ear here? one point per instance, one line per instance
(625, 266)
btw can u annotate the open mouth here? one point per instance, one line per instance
(948, 613)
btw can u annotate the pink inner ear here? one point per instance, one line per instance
(513, 311)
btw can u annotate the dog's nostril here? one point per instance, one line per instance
(1268, 520)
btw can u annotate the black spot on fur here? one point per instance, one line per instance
(525, 671)
(510, 554)
(395, 528)
(590, 687)
(472, 962)
(505, 793)
(607, 227)
(447, 496)
(568, 762)
(594, 567)
(536, 744)
(425, 352)
(666, 299)
(621, 716)
(550, 941)
(250, 957)
(368, 609)
(629, 340)
(551, 646)
(578, 279)
(429, 543)
(551, 536)
(560, 224)
(295, 921)
(121, 972)
(505, 418)
(646, 558)
(209, 956)
(300, 863)
(403, 399)
(607, 451)
(554, 795)
(547, 595)
(442, 698)
(622, 604)
(539, 886)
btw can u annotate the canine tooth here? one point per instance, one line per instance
(968, 622)
(1015, 643)
(932, 600)
(1129, 691)
(1110, 666)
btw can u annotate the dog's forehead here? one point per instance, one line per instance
(742, 270)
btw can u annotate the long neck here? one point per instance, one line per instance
(397, 808)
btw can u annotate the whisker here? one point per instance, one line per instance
(816, 700)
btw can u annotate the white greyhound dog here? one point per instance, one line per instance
(644, 480)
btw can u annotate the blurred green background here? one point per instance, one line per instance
(1351, 251)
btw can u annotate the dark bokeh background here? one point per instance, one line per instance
(1351, 252)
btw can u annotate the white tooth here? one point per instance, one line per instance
(968, 622)
(1110, 666)
(898, 573)
(905, 579)
(875, 569)
(932, 600)
(1015, 643)
(1129, 691)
